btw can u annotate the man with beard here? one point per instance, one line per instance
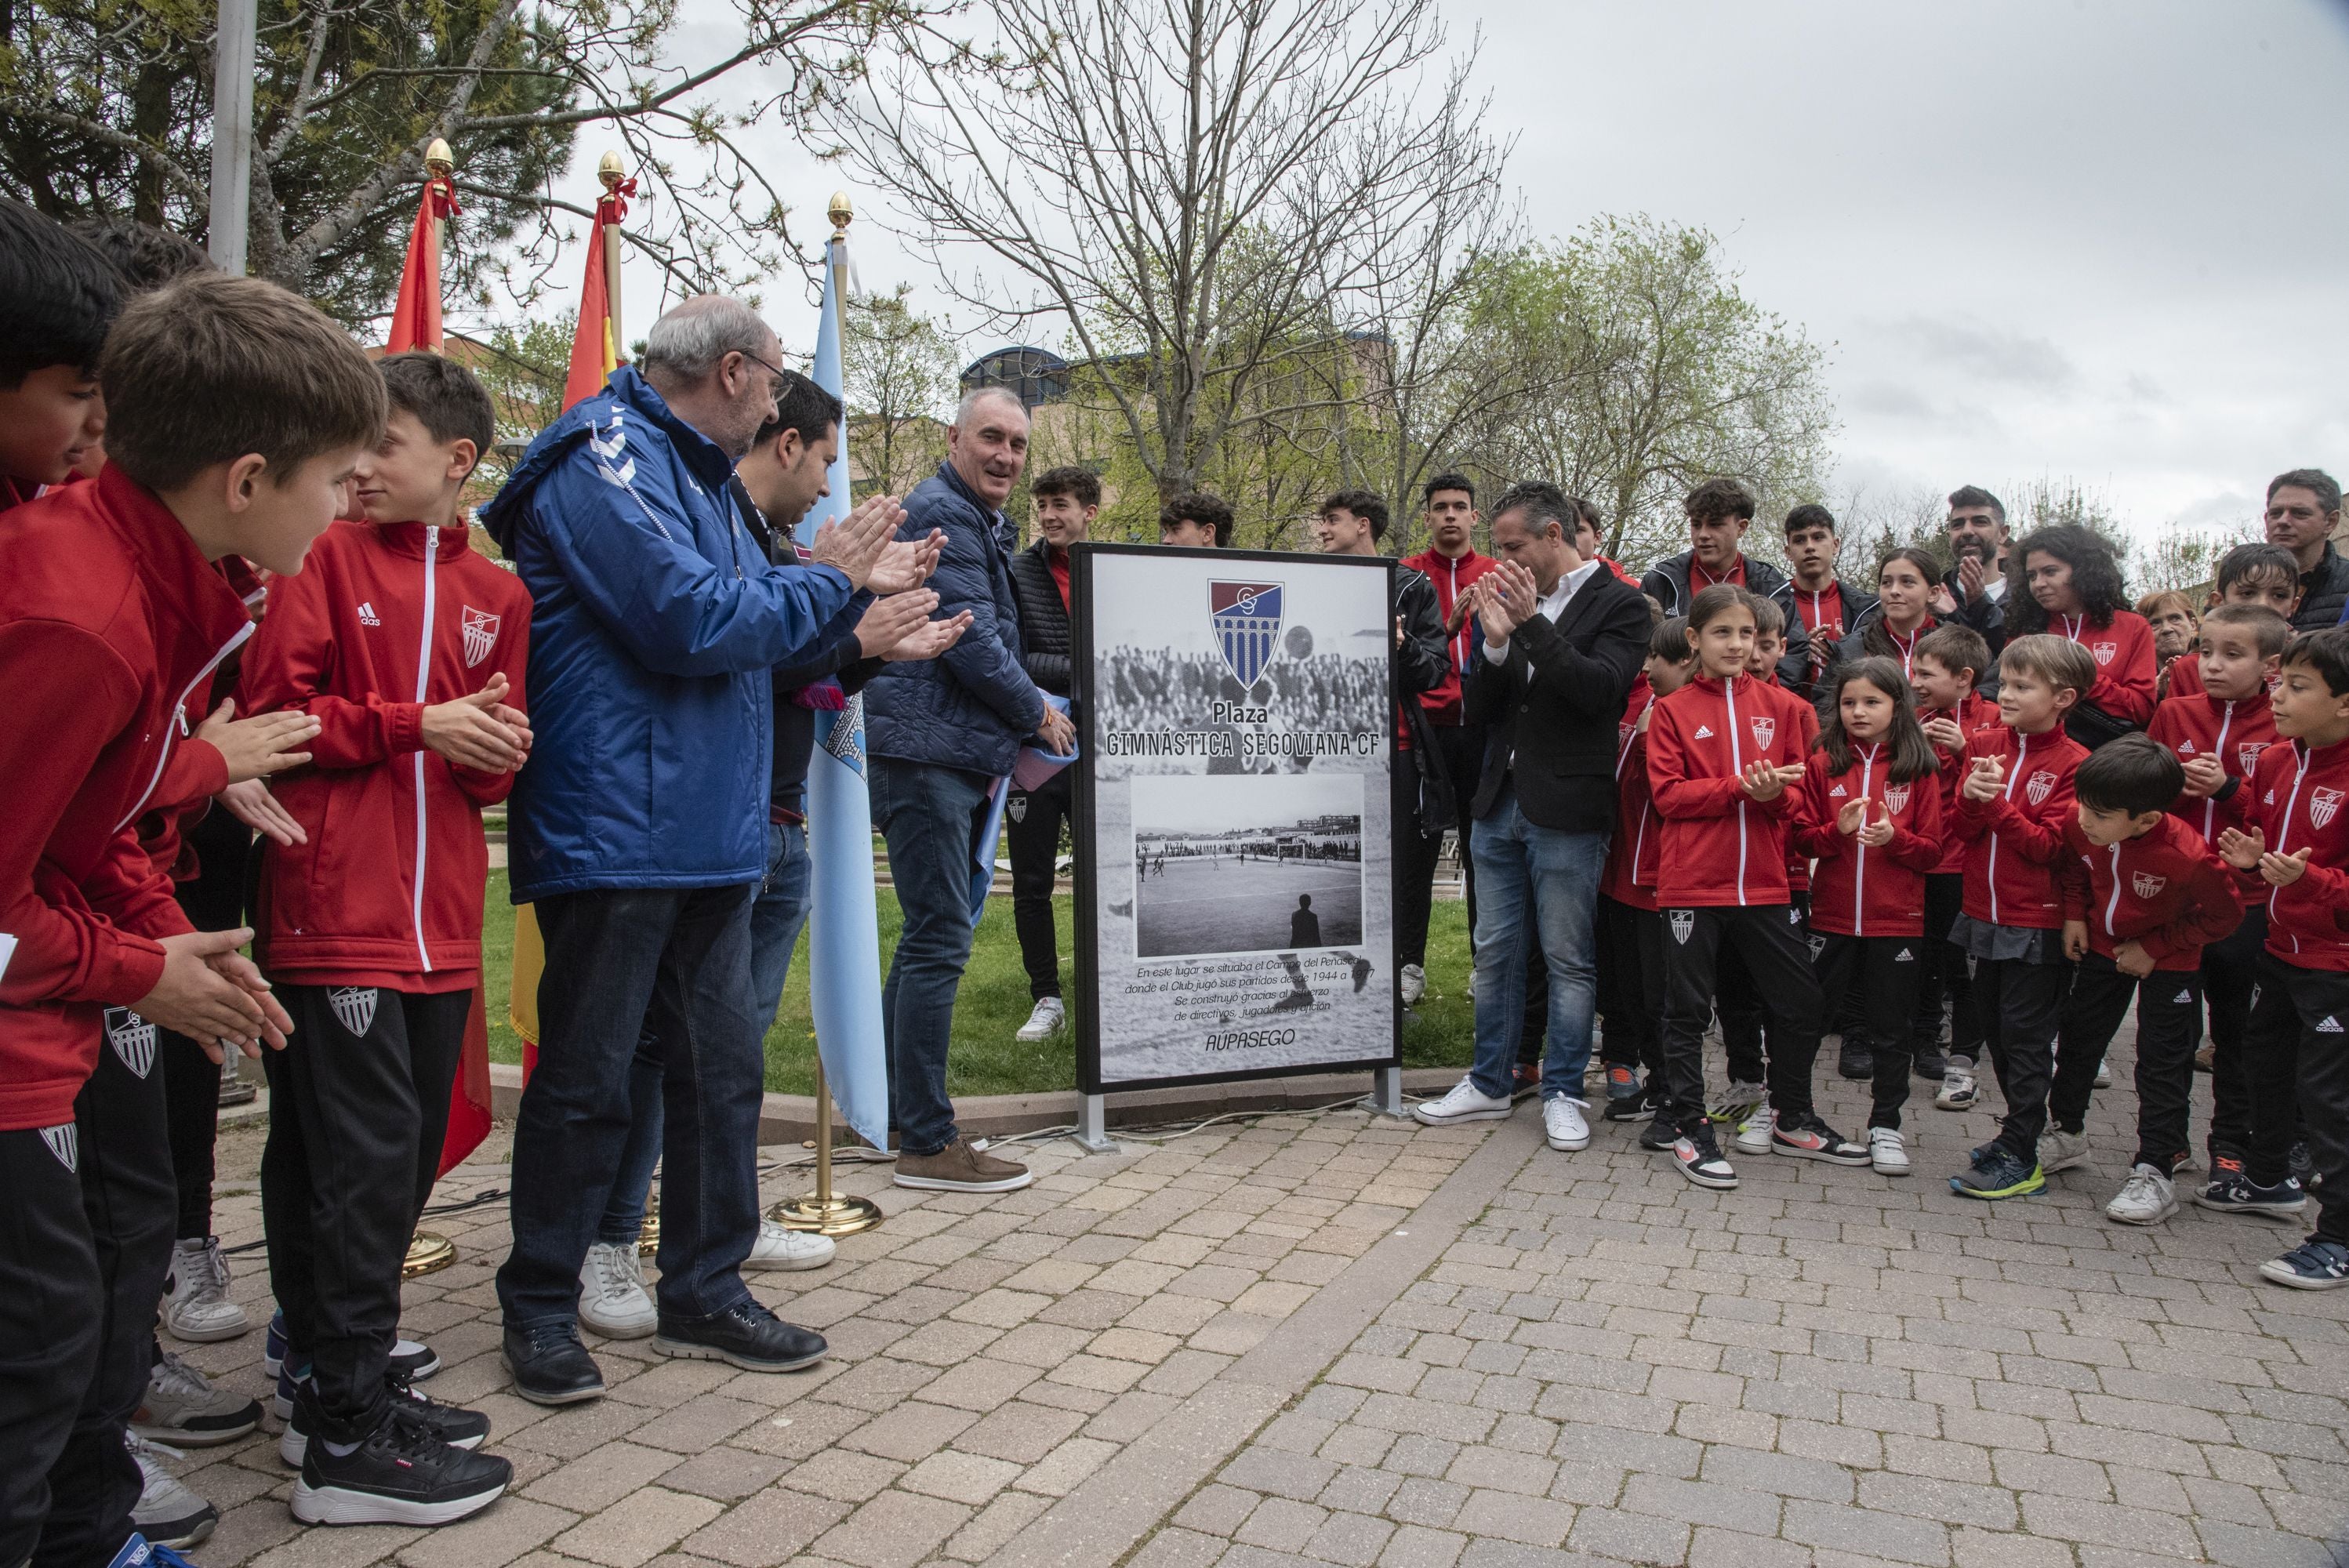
(1975, 591)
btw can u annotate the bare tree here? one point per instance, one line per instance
(1199, 192)
(900, 369)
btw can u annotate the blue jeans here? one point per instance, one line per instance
(776, 916)
(676, 961)
(930, 816)
(1552, 876)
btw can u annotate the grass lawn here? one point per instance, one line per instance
(994, 1003)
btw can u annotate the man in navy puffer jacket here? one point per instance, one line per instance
(639, 831)
(940, 733)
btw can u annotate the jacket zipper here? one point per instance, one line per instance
(2210, 802)
(176, 718)
(2022, 750)
(2283, 834)
(1737, 770)
(423, 680)
(1859, 872)
(2113, 905)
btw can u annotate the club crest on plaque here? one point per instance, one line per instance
(1247, 618)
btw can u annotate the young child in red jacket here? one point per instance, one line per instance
(1630, 932)
(2297, 844)
(1947, 665)
(2143, 896)
(234, 412)
(2218, 727)
(1722, 753)
(2013, 807)
(408, 648)
(1870, 811)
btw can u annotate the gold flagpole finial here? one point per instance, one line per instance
(439, 159)
(610, 170)
(840, 212)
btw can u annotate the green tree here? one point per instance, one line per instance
(900, 369)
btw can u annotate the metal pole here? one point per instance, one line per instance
(232, 194)
(1386, 1091)
(1092, 1125)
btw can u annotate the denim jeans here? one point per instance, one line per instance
(776, 916)
(675, 963)
(1524, 870)
(930, 816)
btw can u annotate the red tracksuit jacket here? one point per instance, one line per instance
(2167, 890)
(1856, 891)
(1977, 712)
(2296, 800)
(1450, 576)
(109, 618)
(2127, 670)
(2199, 725)
(2013, 840)
(1630, 876)
(1721, 846)
(382, 622)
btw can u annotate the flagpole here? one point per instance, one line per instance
(611, 172)
(823, 1210)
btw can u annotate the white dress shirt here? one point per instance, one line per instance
(1552, 605)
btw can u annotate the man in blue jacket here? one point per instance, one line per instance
(639, 832)
(940, 734)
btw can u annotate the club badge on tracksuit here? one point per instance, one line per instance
(132, 1039)
(65, 1142)
(354, 1006)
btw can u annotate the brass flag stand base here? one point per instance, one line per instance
(825, 1211)
(428, 1253)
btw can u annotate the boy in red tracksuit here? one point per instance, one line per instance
(1946, 665)
(2297, 844)
(1722, 752)
(2143, 896)
(233, 414)
(1630, 932)
(2012, 806)
(1870, 809)
(408, 648)
(2218, 728)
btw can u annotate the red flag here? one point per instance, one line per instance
(416, 315)
(469, 1097)
(594, 355)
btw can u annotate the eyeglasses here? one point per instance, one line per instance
(774, 370)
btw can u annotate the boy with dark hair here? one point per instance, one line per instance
(1067, 500)
(1829, 608)
(1947, 669)
(1195, 520)
(408, 649)
(235, 413)
(61, 295)
(2143, 895)
(1630, 928)
(1719, 511)
(2263, 575)
(2297, 844)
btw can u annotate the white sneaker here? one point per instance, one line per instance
(2061, 1150)
(1414, 985)
(1045, 1021)
(2104, 1075)
(613, 1300)
(778, 1248)
(1466, 1102)
(1957, 1090)
(1563, 1123)
(1753, 1132)
(167, 1513)
(1886, 1152)
(2146, 1198)
(196, 1307)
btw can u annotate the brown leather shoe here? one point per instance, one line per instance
(959, 1168)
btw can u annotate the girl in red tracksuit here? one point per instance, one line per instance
(2014, 804)
(2065, 582)
(1948, 663)
(1722, 752)
(1871, 813)
(1629, 931)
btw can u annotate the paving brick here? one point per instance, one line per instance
(1506, 1516)
(600, 1476)
(766, 1529)
(1733, 1507)
(653, 1520)
(1280, 1524)
(895, 1529)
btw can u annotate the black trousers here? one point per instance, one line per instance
(1944, 973)
(2168, 1017)
(2021, 1008)
(359, 1109)
(1878, 975)
(1630, 943)
(2230, 973)
(215, 901)
(2297, 1065)
(1743, 1031)
(52, 1309)
(1769, 939)
(1032, 821)
(1459, 753)
(129, 1203)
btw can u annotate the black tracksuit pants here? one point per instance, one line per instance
(2296, 1057)
(1630, 943)
(1946, 974)
(1032, 824)
(1769, 939)
(215, 901)
(2021, 1005)
(1878, 975)
(359, 1109)
(2168, 1017)
(52, 1310)
(2230, 971)
(1744, 1035)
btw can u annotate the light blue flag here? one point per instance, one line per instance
(844, 928)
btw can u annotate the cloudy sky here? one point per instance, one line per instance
(2101, 240)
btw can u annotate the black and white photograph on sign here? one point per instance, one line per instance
(1241, 864)
(1240, 723)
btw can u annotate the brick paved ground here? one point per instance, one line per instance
(1344, 1340)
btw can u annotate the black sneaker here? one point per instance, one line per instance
(1660, 1134)
(460, 1428)
(1639, 1108)
(550, 1366)
(2314, 1265)
(2303, 1168)
(402, 1474)
(1807, 1137)
(1855, 1059)
(745, 1335)
(1997, 1171)
(2232, 1190)
(1931, 1062)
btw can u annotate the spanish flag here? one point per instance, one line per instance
(594, 355)
(416, 315)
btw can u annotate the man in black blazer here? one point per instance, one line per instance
(1562, 638)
